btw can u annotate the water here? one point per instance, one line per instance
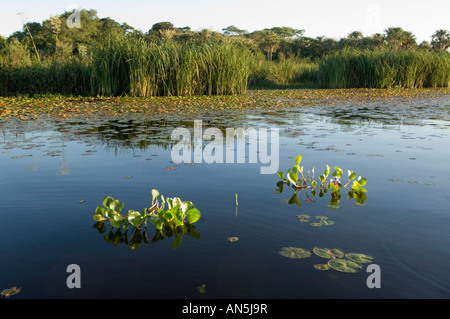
(55, 173)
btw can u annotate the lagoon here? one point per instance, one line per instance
(55, 172)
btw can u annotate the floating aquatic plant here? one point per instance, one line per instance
(359, 258)
(295, 252)
(328, 253)
(300, 181)
(322, 267)
(232, 239)
(176, 220)
(344, 265)
(10, 292)
(338, 260)
(304, 218)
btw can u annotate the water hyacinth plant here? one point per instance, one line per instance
(176, 220)
(299, 180)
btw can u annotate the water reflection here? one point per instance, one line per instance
(135, 237)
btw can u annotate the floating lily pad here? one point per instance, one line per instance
(295, 252)
(232, 239)
(322, 217)
(303, 218)
(201, 289)
(328, 253)
(359, 258)
(10, 292)
(327, 222)
(322, 267)
(343, 265)
(316, 224)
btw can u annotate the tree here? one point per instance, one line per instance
(233, 31)
(397, 38)
(440, 40)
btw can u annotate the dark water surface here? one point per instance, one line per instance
(55, 173)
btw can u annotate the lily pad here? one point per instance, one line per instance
(328, 253)
(232, 239)
(322, 217)
(322, 267)
(304, 218)
(295, 252)
(316, 224)
(327, 222)
(10, 292)
(359, 258)
(201, 289)
(343, 265)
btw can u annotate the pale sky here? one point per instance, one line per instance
(330, 18)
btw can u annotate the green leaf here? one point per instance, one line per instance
(109, 214)
(134, 218)
(178, 222)
(193, 215)
(294, 252)
(342, 265)
(298, 159)
(186, 205)
(313, 184)
(281, 175)
(356, 186)
(157, 222)
(155, 194)
(107, 201)
(322, 267)
(116, 205)
(359, 258)
(176, 202)
(337, 172)
(100, 211)
(116, 221)
(362, 181)
(98, 218)
(293, 178)
(351, 175)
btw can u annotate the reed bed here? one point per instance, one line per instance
(134, 67)
(137, 68)
(351, 68)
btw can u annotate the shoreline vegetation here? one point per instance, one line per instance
(64, 107)
(105, 59)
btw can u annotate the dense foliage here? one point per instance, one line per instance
(104, 57)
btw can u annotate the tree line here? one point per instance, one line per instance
(53, 37)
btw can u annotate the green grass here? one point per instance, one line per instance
(288, 73)
(352, 68)
(137, 68)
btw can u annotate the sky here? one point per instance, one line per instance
(329, 18)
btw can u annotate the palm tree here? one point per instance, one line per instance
(440, 40)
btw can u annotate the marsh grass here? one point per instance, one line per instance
(137, 68)
(351, 68)
(283, 73)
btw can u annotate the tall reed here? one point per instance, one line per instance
(352, 68)
(135, 67)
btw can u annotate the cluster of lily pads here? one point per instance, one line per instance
(337, 259)
(176, 220)
(295, 177)
(320, 220)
